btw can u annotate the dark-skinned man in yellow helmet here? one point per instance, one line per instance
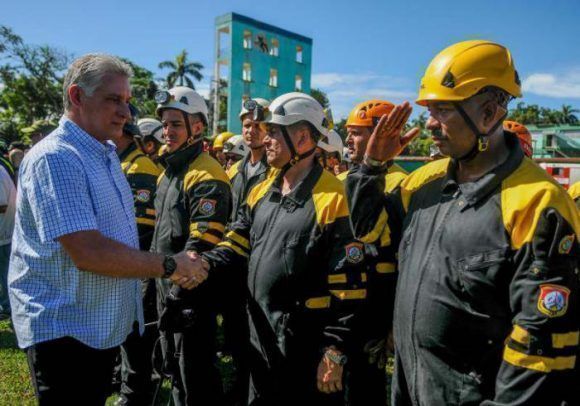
(486, 308)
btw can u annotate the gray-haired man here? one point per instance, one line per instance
(75, 261)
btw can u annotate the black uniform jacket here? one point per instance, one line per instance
(241, 184)
(193, 202)
(142, 174)
(487, 303)
(304, 267)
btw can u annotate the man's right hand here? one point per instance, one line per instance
(386, 141)
(190, 271)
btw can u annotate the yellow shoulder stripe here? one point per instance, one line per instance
(342, 176)
(574, 191)
(422, 176)
(378, 230)
(393, 180)
(329, 199)
(520, 335)
(144, 165)
(234, 170)
(526, 193)
(259, 191)
(538, 363)
(204, 168)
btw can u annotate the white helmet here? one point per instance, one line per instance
(293, 107)
(181, 98)
(333, 143)
(236, 145)
(262, 102)
(149, 127)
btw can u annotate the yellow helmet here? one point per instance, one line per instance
(220, 140)
(463, 69)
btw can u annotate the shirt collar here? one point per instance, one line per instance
(78, 137)
(303, 191)
(479, 189)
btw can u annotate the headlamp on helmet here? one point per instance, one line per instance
(162, 96)
(256, 110)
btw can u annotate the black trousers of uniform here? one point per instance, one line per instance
(233, 303)
(137, 382)
(190, 352)
(67, 372)
(365, 384)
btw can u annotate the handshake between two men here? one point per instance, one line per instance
(191, 270)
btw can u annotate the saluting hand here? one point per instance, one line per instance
(191, 271)
(386, 141)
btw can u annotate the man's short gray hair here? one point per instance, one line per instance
(88, 72)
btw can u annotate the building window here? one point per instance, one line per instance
(247, 73)
(299, 53)
(247, 39)
(274, 48)
(262, 43)
(273, 78)
(298, 83)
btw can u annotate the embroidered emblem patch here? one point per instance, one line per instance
(553, 300)
(566, 244)
(143, 195)
(207, 206)
(354, 253)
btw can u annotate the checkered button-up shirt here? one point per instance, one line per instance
(70, 182)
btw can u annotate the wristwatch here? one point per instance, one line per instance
(337, 358)
(374, 163)
(169, 266)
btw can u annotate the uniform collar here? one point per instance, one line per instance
(263, 163)
(474, 192)
(303, 191)
(182, 157)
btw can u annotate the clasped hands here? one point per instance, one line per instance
(192, 270)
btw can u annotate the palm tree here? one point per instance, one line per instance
(568, 115)
(181, 69)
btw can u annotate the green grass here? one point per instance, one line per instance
(15, 385)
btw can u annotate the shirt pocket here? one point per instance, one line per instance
(294, 255)
(484, 280)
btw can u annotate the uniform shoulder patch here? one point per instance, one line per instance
(143, 195)
(354, 252)
(566, 244)
(553, 300)
(207, 206)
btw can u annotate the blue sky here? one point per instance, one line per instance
(362, 49)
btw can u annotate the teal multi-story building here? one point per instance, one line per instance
(255, 59)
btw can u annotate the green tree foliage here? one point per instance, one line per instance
(420, 145)
(30, 82)
(143, 88)
(181, 70)
(534, 114)
(320, 96)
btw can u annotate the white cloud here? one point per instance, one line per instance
(565, 85)
(345, 90)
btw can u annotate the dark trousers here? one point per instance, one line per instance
(365, 383)
(136, 370)
(67, 372)
(188, 343)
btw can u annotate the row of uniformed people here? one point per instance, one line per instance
(305, 277)
(289, 256)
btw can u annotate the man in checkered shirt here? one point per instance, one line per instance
(75, 264)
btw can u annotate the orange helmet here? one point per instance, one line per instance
(368, 113)
(523, 135)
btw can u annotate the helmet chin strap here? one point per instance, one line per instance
(294, 156)
(481, 139)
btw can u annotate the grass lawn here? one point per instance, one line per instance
(15, 387)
